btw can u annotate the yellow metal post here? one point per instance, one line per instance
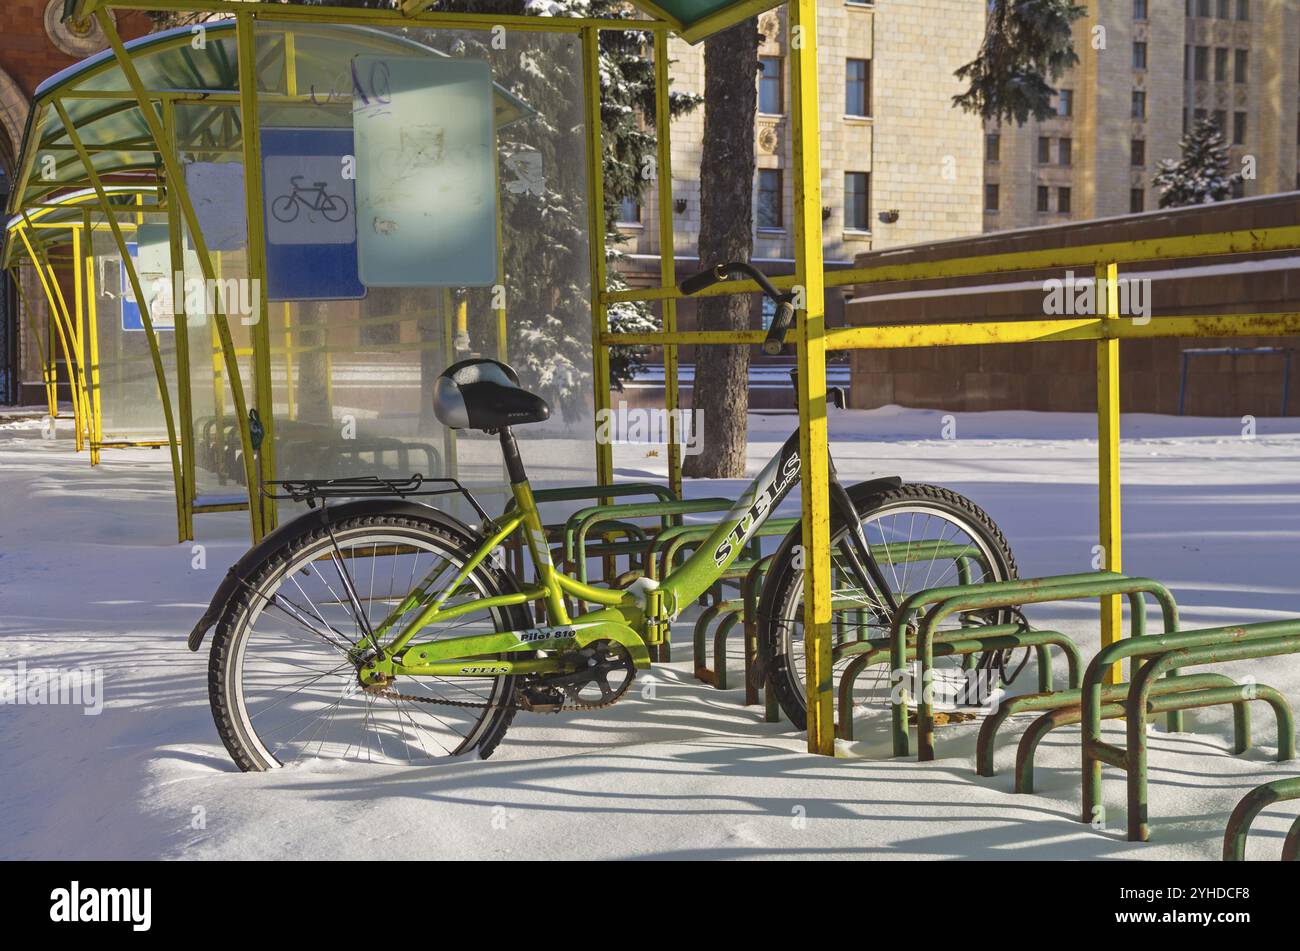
(810, 343)
(290, 399)
(58, 311)
(596, 248)
(450, 465)
(1107, 295)
(261, 335)
(176, 180)
(85, 433)
(92, 343)
(503, 337)
(181, 335)
(69, 340)
(667, 264)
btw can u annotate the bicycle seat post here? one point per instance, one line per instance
(514, 462)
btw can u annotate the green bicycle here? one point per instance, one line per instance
(382, 628)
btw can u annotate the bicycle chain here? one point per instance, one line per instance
(567, 707)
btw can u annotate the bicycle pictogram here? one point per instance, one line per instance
(314, 198)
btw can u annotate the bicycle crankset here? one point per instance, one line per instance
(604, 672)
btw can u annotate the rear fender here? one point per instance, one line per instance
(247, 566)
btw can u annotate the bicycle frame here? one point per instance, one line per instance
(635, 618)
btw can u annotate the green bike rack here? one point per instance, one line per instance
(995, 595)
(964, 642)
(1168, 695)
(741, 610)
(1164, 653)
(1111, 693)
(555, 531)
(580, 523)
(1255, 802)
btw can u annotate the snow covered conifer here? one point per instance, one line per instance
(1201, 176)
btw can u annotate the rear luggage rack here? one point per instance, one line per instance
(312, 491)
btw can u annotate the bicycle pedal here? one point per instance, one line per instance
(540, 700)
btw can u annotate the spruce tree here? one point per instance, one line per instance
(1201, 176)
(1027, 45)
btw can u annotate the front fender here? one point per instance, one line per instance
(251, 560)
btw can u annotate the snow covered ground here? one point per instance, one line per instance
(90, 578)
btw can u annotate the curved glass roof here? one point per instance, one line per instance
(107, 117)
(69, 210)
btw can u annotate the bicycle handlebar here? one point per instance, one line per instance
(784, 302)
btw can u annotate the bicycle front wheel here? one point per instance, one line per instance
(283, 670)
(922, 536)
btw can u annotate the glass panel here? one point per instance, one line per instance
(130, 407)
(353, 379)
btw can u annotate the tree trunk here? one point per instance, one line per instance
(721, 391)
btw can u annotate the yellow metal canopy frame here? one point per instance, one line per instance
(811, 338)
(54, 237)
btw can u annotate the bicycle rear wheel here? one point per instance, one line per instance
(282, 672)
(922, 526)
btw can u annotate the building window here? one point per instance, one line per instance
(1044, 150)
(1201, 63)
(1239, 128)
(629, 212)
(1241, 65)
(1221, 9)
(1063, 149)
(1184, 120)
(1065, 102)
(1137, 200)
(771, 91)
(1139, 104)
(771, 199)
(857, 201)
(1202, 8)
(1139, 55)
(1063, 200)
(1044, 198)
(1221, 121)
(857, 88)
(991, 197)
(1138, 153)
(1243, 9)
(1199, 114)
(1220, 64)
(992, 147)
(1139, 9)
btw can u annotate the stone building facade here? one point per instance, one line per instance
(900, 165)
(1148, 69)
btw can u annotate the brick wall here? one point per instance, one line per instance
(27, 58)
(1061, 376)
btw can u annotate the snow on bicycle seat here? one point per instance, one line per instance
(485, 394)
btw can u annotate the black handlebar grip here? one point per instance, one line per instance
(698, 282)
(780, 325)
